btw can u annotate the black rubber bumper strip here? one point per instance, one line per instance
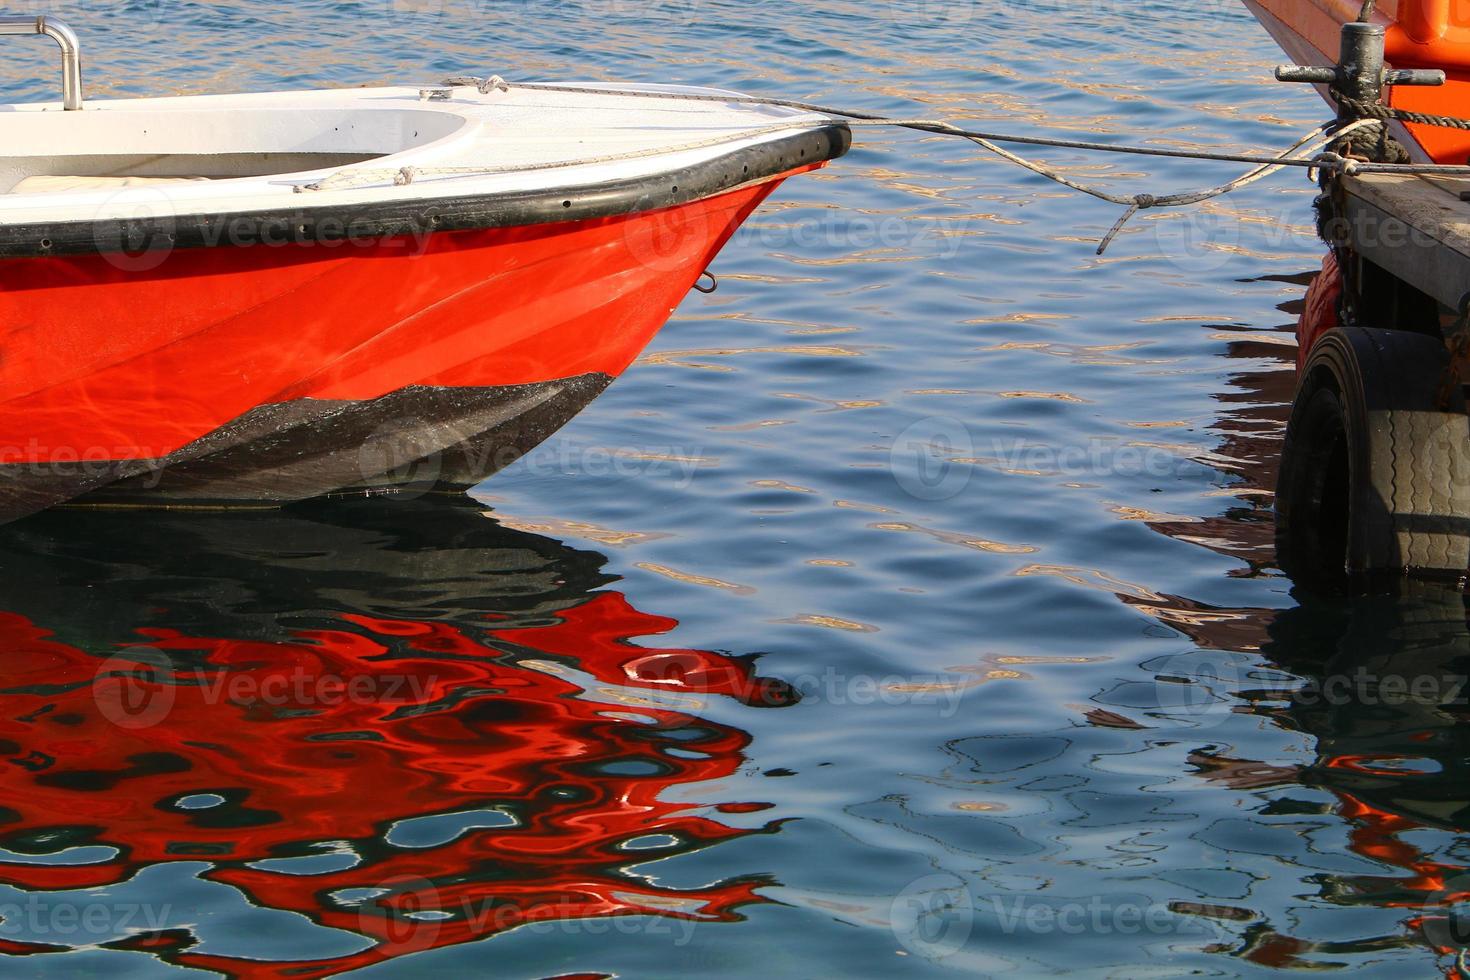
(389, 219)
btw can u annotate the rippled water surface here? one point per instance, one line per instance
(908, 609)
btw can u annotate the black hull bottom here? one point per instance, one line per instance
(415, 439)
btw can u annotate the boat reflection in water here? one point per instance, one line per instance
(1381, 684)
(404, 722)
(1383, 690)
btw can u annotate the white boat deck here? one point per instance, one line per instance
(262, 151)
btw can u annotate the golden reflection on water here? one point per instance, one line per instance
(870, 508)
(683, 358)
(963, 540)
(1128, 513)
(829, 622)
(781, 485)
(576, 529)
(689, 578)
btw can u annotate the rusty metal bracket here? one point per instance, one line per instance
(1457, 339)
(1331, 206)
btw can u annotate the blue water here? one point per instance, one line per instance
(963, 532)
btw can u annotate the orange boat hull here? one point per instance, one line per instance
(1421, 34)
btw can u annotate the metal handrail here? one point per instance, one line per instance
(71, 51)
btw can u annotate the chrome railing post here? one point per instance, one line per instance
(71, 51)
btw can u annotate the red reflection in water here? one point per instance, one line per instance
(338, 734)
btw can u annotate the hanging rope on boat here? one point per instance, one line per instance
(1319, 137)
(1307, 152)
(1139, 202)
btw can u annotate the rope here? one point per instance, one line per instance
(922, 125)
(1141, 202)
(1367, 12)
(485, 85)
(1376, 110)
(348, 179)
(1312, 158)
(1332, 161)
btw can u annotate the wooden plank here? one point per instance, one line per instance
(1415, 228)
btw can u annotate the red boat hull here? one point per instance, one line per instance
(278, 372)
